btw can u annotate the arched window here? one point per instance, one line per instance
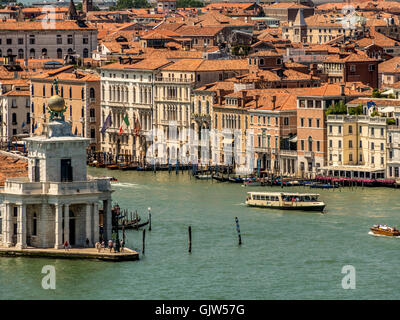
(51, 90)
(14, 118)
(310, 141)
(70, 110)
(70, 92)
(199, 107)
(91, 93)
(32, 53)
(44, 108)
(62, 91)
(20, 53)
(44, 52)
(9, 52)
(85, 53)
(82, 94)
(44, 90)
(33, 107)
(70, 51)
(208, 107)
(59, 53)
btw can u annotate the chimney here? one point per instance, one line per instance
(256, 97)
(273, 98)
(342, 89)
(243, 94)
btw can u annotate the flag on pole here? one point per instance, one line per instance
(107, 124)
(23, 124)
(124, 125)
(137, 125)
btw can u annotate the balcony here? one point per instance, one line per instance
(92, 119)
(92, 99)
(288, 153)
(309, 154)
(173, 80)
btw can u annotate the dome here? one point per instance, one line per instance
(56, 103)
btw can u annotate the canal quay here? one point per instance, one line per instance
(284, 255)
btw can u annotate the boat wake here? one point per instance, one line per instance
(125, 185)
(382, 235)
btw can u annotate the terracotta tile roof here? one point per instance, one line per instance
(219, 85)
(378, 101)
(265, 53)
(146, 64)
(17, 93)
(38, 25)
(390, 66)
(11, 167)
(207, 65)
(66, 74)
(284, 5)
(332, 90)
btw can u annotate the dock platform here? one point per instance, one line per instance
(73, 253)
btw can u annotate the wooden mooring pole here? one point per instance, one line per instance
(190, 238)
(149, 218)
(238, 230)
(144, 241)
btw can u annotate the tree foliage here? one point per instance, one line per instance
(376, 93)
(337, 108)
(128, 4)
(356, 110)
(189, 4)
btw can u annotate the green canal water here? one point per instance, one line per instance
(284, 255)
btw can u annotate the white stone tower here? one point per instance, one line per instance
(57, 202)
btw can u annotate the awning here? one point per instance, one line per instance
(390, 91)
(293, 139)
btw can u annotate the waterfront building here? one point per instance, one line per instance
(173, 97)
(15, 117)
(81, 92)
(128, 90)
(54, 40)
(311, 125)
(393, 154)
(273, 120)
(356, 146)
(57, 202)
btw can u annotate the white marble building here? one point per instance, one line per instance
(57, 202)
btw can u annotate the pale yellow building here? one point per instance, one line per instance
(356, 146)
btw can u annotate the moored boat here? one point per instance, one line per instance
(203, 176)
(385, 230)
(285, 201)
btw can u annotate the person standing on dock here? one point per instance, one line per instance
(66, 245)
(110, 245)
(122, 245)
(87, 243)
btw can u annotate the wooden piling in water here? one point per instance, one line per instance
(149, 219)
(190, 238)
(144, 240)
(238, 230)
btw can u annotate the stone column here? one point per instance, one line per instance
(21, 227)
(89, 224)
(66, 222)
(7, 234)
(42, 226)
(58, 226)
(107, 215)
(96, 226)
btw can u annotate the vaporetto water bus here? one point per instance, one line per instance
(285, 201)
